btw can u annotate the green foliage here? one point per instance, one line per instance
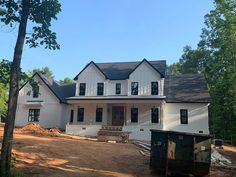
(44, 71)
(215, 57)
(3, 100)
(5, 67)
(67, 80)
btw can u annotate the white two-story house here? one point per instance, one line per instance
(125, 96)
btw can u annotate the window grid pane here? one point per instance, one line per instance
(82, 88)
(80, 116)
(33, 115)
(100, 88)
(155, 115)
(134, 115)
(99, 114)
(118, 88)
(134, 88)
(183, 116)
(154, 88)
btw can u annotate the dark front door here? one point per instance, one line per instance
(118, 115)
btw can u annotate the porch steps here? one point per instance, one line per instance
(109, 135)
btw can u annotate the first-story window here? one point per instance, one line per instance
(99, 115)
(183, 116)
(100, 88)
(33, 115)
(82, 88)
(80, 116)
(134, 115)
(155, 115)
(134, 88)
(71, 116)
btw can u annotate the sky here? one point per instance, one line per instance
(113, 31)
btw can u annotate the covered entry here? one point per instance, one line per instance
(118, 115)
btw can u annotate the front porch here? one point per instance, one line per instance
(134, 117)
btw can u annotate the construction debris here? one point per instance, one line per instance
(219, 160)
(144, 148)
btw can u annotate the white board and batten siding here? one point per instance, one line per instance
(197, 117)
(91, 76)
(144, 74)
(52, 113)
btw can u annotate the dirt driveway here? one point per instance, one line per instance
(45, 156)
(64, 157)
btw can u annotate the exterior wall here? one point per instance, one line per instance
(91, 76)
(141, 130)
(144, 75)
(111, 89)
(83, 130)
(52, 113)
(197, 117)
(89, 114)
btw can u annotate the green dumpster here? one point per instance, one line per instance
(181, 153)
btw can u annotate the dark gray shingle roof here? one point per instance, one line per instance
(186, 88)
(61, 91)
(122, 70)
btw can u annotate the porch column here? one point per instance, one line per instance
(124, 114)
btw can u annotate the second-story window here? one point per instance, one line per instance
(134, 88)
(154, 88)
(100, 88)
(82, 88)
(35, 91)
(118, 88)
(183, 116)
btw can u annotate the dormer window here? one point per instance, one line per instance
(118, 88)
(82, 88)
(154, 88)
(134, 88)
(100, 88)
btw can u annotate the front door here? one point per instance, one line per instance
(118, 115)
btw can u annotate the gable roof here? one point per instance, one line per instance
(122, 70)
(186, 88)
(61, 91)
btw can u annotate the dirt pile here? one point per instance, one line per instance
(36, 129)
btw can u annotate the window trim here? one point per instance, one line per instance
(99, 120)
(152, 91)
(118, 89)
(131, 115)
(78, 118)
(181, 116)
(101, 84)
(32, 116)
(135, 92)
(84, 91)
(158, 116)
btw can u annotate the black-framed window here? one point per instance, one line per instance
(183, 116)
(134, 88)
(134, 115)
(71, 116)
(99, 114)
(33, 115)
(154, 88)
(82, 88)
(80, 115)
(155, 115)
(118, 88)
(100, 88)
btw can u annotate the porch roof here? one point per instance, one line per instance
(116, 98)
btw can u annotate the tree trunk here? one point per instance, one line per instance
(13, 93)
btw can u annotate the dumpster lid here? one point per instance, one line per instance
(181, 133)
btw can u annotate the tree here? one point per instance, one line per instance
(67, 80)
(44, 71)
(215, 57)
(40, 14)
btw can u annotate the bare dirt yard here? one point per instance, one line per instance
(52, 156)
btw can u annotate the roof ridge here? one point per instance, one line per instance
(129, 61)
